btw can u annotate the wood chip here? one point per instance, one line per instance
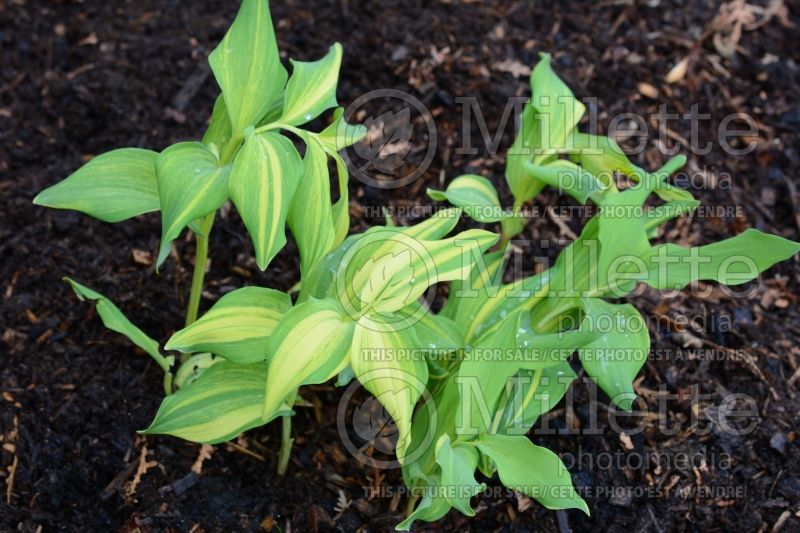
(206, 450)
(645, 89)
(142, 257)
(626, 441)
(678, 72)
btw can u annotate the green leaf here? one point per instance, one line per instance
(222, 403)
(601, 156)
(534, 392)
(555, 104)
(622, 237)
(390, 365)
(430, 508)
(532, 470)
(567, 177)
(310, 345)
(475, 195)
(113, 186)
(458, 465)
(487, 377)
(498, 354)
(436, 332)
(310, 216)
(732, 261)
(114, 320)
(467, 297)
(341, 208)
(220, 131)
(339, 134)
(312, 88)
(527, 147)
(237, 327)
(262, 183)
(247, 66)
(191, 184)
(614, 359)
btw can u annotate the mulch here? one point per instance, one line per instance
(80, 78)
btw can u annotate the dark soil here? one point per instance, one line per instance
(79, 78)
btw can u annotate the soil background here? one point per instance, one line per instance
(83, 77)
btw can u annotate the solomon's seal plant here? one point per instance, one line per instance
(463, 385)
(246, 157)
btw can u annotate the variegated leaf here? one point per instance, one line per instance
(113, 186)
(262, 184)
(237, 327)
(191, 184)
(247, 66)
(312, 88)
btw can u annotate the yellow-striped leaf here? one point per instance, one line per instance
(310, 345)
(237, 327)
(475, 195)
(191, 184)
(262, 183)
(113, 186)
(387, 270)
(390, 365)
(312, 87)
(247, 66)
(310, 216)
(223, 402)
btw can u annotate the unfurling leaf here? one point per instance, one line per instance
(339, 134)
(458, 465)
(614, 359)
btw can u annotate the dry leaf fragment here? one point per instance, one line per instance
(645, 89)
(626, 441)
(142, 257)
(678, 72)
(514, 67)
(206, 450)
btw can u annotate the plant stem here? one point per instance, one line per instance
(200, 257)
(286, 440)
(412, 502)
